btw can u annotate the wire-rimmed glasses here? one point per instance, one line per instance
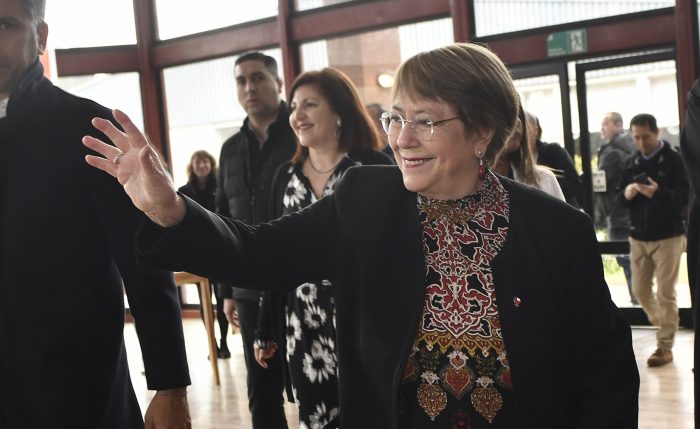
(393, 124)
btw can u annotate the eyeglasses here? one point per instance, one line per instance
(393, 124)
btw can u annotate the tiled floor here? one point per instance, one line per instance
(666, 394)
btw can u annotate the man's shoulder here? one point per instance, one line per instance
(234, 142)
(52, 102)
(554, 150)
(71, 104)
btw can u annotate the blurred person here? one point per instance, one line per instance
(333, 130)
(460, 300)
(655, 188)
(67, 257)
(247, 164)
(515, 161)
(690, 149)
(617, 148)
(376, 111)
(555, 157)
(201, 187)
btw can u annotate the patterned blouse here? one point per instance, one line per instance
(457, 374)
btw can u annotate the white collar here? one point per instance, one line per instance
(3, 107)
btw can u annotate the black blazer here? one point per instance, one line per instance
(690, 149)
(67, 240)
(569, 348)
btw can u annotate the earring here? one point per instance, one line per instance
(482, 167)
(338, 123)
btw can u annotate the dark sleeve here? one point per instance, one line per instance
(605, 373)
(272, 302)
(151, 292)
(282, 254)
(570, 182)
(222, 207)
(625, 179)
(221, 198)
(271, 319)
(279, 184)
(675, 191)
(690, 138)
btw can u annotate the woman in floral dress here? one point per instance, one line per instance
(333, 133)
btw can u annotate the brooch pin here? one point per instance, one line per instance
(517, 301)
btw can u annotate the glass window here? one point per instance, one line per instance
(116, 91)
(541, 96)
(179, 18)
(203, 109)
(629, 90)
(619, 290)
(372, 69)
(81, 23)
(315, 4)
(503, 16)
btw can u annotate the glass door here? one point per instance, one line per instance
(609, 92)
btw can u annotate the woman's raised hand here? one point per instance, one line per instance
(134, 163)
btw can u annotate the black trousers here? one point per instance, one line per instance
(265, 386)
(220, 316)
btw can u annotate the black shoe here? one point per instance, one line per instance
(223, 353)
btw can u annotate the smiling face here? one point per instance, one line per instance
(21, 42)
(312, 119)
(201, 167)
(258, 90)
(445, 166)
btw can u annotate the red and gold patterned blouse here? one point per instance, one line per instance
(457, 374)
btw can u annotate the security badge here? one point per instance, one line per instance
(599, 183)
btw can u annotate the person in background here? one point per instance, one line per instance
(460, 301)
(334, 133)
(201, 187)
(690, 149)
(376, 110)
(655, 188)
(556, 158)
(612, 156)
(247, 164)
(66, 259)
(515, 161)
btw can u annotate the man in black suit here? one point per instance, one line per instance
(67, 244)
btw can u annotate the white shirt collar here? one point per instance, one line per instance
(3, 107)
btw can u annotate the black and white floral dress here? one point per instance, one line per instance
(310, 322)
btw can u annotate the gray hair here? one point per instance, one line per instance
(470, 78)
(35, 9)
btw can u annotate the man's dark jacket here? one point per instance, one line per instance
(663, 215)
(67, 240)
(569, 348)
(245, 178)
(690, 148)
(612, 158)
(558, 159)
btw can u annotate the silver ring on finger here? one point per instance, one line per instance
(116, 158)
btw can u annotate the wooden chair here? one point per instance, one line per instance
(183, 278)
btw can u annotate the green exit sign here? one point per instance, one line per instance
(567, 43)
